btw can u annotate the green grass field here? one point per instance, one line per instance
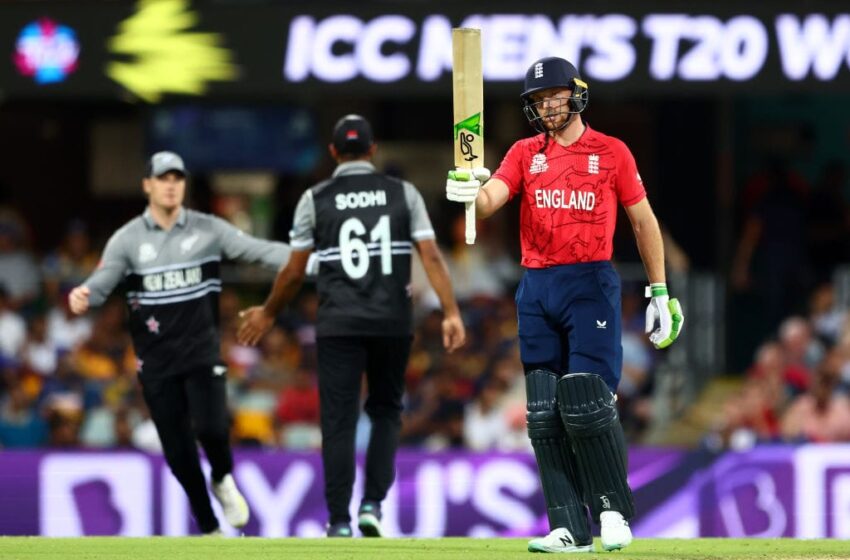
(96, 548)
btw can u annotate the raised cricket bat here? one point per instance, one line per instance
(468, 98)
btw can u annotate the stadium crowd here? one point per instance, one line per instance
(70, 381)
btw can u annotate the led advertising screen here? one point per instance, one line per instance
(149, 51)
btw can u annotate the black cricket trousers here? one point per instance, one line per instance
(186, 407)
(342, 361)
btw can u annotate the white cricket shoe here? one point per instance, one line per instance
(559, 540)
(614, 530)
(232, 502)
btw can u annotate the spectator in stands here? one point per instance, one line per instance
(480, 270)
(485, 420)
(752, 415)
(108, 353)
(820, 415)
(801, 348)
(280, 356)
(20, 423)
(772, 363)
(39, 355)
(826, 318)
(66, 330)
(13, 328)
(298, 411)
(19, 272)
(70, 264)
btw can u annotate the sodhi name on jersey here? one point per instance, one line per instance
(172, 279)
(360, 199)
(557, 198)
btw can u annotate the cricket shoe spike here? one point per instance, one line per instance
(614, 530)
(233, 504)
(559, 540)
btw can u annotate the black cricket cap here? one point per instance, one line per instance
(352, 135)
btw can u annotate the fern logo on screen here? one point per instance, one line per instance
(161, 52)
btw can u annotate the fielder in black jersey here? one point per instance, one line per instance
(168, 260)
(363, 227)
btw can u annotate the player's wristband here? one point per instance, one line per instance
(655, 290)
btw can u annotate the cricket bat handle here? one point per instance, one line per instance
(470, 223)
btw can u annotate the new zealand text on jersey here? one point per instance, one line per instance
(558, 198)
(172, 279)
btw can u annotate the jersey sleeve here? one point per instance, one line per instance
(303, 223)
(420, 222)
(629, 186)
(236, 244)
(113, 266)
(510, 170)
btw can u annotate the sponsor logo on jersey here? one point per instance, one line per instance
(147, 252)
(538, 164)
(557, 198)
(360, 199)
(601, 324)
(172, 279)
(593, 164)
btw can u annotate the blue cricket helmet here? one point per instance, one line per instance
(553, 72)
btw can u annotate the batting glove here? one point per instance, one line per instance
(463, 184)
(667, 312)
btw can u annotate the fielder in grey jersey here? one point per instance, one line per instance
(168, 260)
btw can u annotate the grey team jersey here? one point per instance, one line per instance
(362, 225)
(172, 281)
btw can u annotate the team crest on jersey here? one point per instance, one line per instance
(147, 252)
(187, 244)
(593, 164)
(538, 164)
(538, 70)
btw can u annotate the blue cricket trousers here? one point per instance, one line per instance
(569, 320)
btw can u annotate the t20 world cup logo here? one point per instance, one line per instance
(46, 51)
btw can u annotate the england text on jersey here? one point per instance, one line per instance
(569, 200)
